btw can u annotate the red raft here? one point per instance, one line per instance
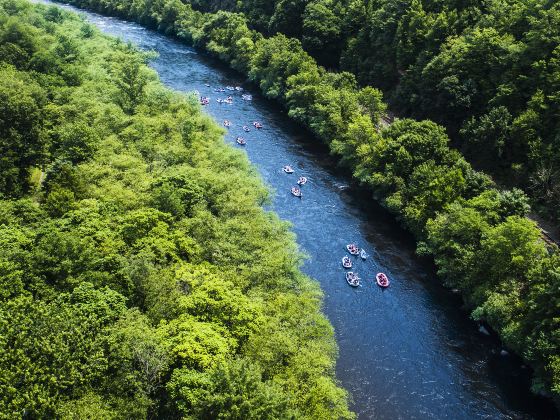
(382, 280)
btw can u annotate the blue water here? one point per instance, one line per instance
(408, 352)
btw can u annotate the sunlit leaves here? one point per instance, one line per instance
(140, 275)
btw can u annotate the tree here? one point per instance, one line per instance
(53, 348)
(131, 77)
(322, 32)
(287, 17)
(139, 359)
(453, 238)
(232, 390)
(509, 251)
(22, 142)
(74, 142)
(18, 43)
(371, 103)
(486, 136)
(540, 321)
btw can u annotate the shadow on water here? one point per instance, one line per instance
(408, 352)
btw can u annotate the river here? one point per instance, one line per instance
(407, 352)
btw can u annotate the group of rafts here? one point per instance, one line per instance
(205, 100)
(351, 277)
(227, 123)
(241, 140)
(296, 191)
(229, 100)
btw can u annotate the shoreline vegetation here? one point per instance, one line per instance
(478, 235)
(136, 280)
(488, 71)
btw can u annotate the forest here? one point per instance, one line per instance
(477, 233)
(488, 71)
(139, 275)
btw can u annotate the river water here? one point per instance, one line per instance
(407, 352)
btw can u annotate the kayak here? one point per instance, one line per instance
(302, 180)
(241, 141)
(288, 169)
(296, 192)
(346, 262)
(227, 123)
(246, 129)
(353, 249)
(382, 280)
(352, 279)
(363, 254)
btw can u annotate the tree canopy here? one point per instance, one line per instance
(139, 274)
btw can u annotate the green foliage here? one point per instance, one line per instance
(322, 33)
(488, 72)
(136, 277)
(59, 201)
(21, 136)
(130, 77)
(74, 142)
(44, 344)
(136, 209)
(231, 390)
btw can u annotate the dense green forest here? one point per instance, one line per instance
(478, 235)
(489, 71)
(139, 275)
